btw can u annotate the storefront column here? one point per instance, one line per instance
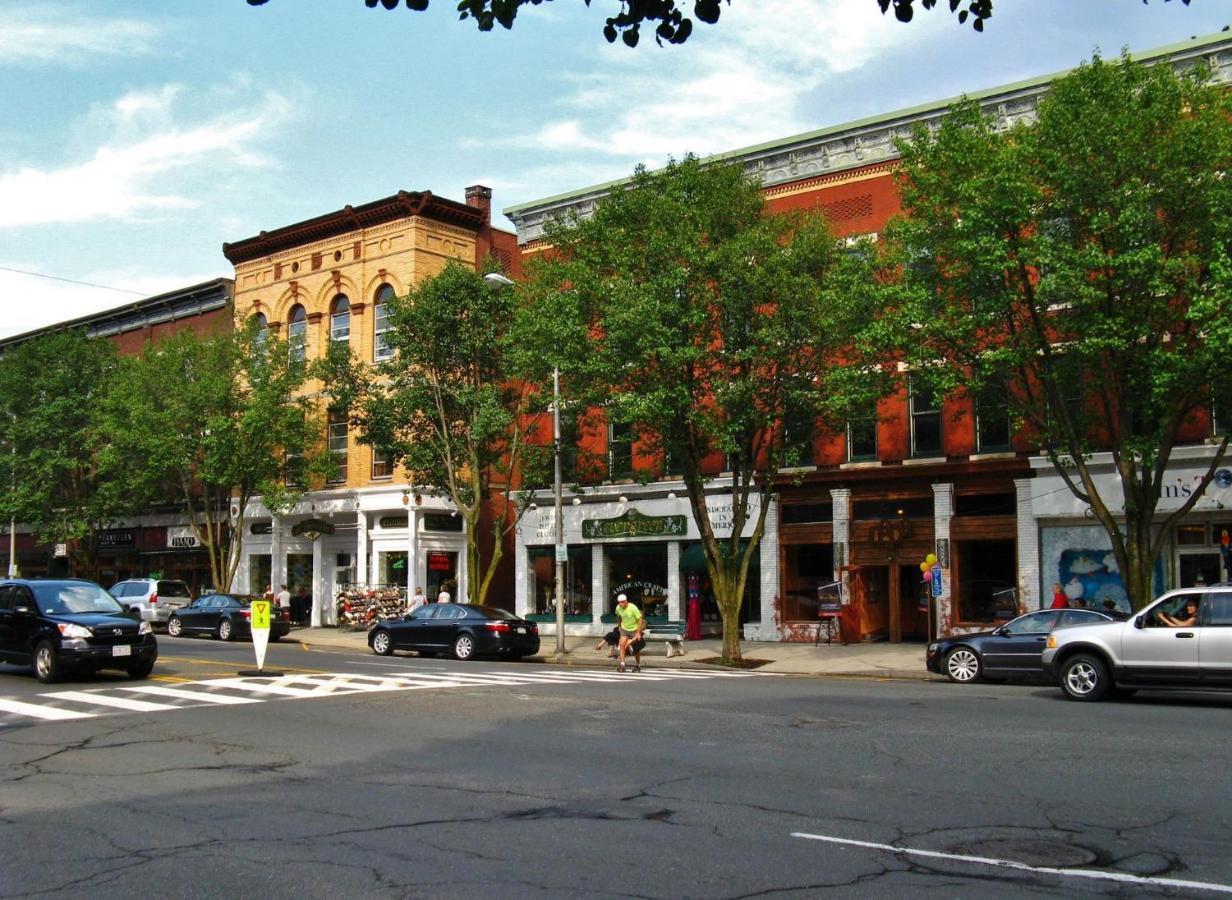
(278, 559)
(598, 584)
(1029, 587)
(841, 498)
(943, 512)
(412, 550)
(323, 607)
(771, 578)
(361, 548)
(675, 609)
(464, 587)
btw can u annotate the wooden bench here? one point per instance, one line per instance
(671, 633)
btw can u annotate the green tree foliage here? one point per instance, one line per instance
(59, 475)
(215, 420)
(682, 309)
(668, 18)
(1079, 267)
(447, 406)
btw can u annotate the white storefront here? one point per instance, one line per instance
(1073, 549)
(364, 538)
(642, 541)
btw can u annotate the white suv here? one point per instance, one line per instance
(1159, 647)
(154, 599)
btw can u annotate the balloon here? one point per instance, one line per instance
(931, 559)
(923, 567)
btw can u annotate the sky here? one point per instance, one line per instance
(137, 136)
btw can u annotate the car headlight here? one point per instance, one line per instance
(932, 649)
(1051, 643)
(145, 628)
(74, 631)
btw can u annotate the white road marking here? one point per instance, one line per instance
(41, 712)
(260, 689)
(198, 696)
(1092, 874)
(101, 699)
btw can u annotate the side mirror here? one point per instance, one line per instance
(1139, 621)
(21, 610)
(1000, 631)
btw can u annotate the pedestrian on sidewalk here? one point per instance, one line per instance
(632, 624)
(1059, 600)
(420, 599)
(609, 640)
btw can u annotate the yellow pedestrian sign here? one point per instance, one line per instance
(259, 618)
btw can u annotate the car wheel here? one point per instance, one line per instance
(382, 643)
(174, 627)
(225, 630)
(962, 665)
(463, 647)
(275, 637)
(46, 665)
(1084, 677)
(141, 669)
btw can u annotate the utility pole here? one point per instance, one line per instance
(562, 550)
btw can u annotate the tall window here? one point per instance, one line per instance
(261, 333)
(992, 419)
(293, 471)
(797, 442)
(338, 446)
(380, 465)
(381, 348)
(297, 333)
(340, 319)
(862, 439)
(925, 420)
(619, 451)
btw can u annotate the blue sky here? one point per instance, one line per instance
(136, 136)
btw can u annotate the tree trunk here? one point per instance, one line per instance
(728, 592)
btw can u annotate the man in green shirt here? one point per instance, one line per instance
(632, 624)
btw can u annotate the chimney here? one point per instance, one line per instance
(480, 197)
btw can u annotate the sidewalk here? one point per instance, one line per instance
(876, 660)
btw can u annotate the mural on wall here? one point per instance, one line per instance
(1086, 568)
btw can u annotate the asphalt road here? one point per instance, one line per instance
(357, 776)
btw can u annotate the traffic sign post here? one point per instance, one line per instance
(259, 621)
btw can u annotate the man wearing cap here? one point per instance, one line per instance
(632, 624)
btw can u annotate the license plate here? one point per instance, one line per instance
(520, 630)
(121, 650)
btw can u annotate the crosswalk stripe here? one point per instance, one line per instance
(41, 712)
(108, 700)
(199, 696)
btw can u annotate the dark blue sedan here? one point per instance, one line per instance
(461, 629)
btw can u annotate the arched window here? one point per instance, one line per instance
(297, 333)
(340, 319)
(260, 330)
(381, 348)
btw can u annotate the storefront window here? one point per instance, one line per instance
(299, 573)
(259, 569)
(640, 572)
(577, 582)
(392, 567)
(807, 567)
(696, 580)
(442, 567)
(987, 574)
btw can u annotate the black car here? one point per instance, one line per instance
(225, 616)
(70, 624)
(463, 629)
(1011, 651)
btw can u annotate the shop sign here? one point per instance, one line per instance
(182, 538)
(261, 528)
(312, 528)
(439, 562)
(61, 551)
(389, 523)
(634, 524)
(116, 538)
(890, 531)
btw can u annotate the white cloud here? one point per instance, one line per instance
(43, 34)
(737, 83)
(152, 139)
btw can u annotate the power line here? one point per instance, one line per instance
(105, 287)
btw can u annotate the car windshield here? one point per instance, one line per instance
(62, 599)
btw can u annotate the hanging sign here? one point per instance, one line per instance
(936, 579)
(312, 528)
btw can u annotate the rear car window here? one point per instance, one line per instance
(173, 589)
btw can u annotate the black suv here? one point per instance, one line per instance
(71, 624)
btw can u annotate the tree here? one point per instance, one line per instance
(447, 406)
(1079, 267)
(682, 309)
(674, 26)
(220, 420)
(58, 473)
